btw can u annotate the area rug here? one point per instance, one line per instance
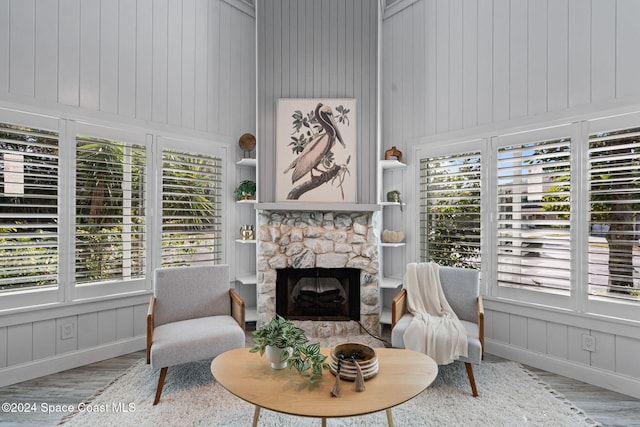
(509, 396)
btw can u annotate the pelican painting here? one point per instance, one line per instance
(316, 150)
(318, 147)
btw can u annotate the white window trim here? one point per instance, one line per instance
(52, 294)
(590, 304)
(67, 292)
(84, 291)
(545, 297)
(578, 302)
(200, 146)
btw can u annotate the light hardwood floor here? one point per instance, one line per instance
(73, 386)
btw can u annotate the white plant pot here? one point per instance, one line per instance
(274, 354)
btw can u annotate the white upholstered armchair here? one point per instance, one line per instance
(193, 315)
(461, 287)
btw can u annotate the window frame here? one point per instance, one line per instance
(18, 298)
(200, 147)
(530, 294)
(456, 148)
(604, 306)
(67, 291)
(92, 290)
(577, 301)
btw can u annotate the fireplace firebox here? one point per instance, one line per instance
(318, 293)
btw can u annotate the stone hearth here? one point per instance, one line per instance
(299, 239)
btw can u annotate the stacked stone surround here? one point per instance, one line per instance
(299, 239)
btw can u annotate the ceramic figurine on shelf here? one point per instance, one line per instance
(394, 197)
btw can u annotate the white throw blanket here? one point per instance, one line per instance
(435, 329)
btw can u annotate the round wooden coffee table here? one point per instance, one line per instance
(402, 375)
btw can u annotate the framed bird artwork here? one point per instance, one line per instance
(316, 146)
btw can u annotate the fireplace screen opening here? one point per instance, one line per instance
(318, 293)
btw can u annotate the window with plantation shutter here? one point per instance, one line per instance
(450, 199)
(110, 228)
(534, 215)
(29, 230)
(191, 208)
(614, 200)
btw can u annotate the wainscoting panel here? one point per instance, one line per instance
(140, 320)
(3, 347)
(44, 338)
(537, 335)
(605, 355)
(19, 343)
(626, 356)
(60, 340)
(107, 323)
(535, 340)
(557, 340)
(87, 330)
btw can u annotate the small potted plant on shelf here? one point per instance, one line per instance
(287, 345)
(246, 190)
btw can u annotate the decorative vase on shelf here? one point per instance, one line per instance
(393, 152)
(246, 232)
(274, 355)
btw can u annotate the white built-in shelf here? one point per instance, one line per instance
(246, 241)
(392, 245)
(247, 201)
(251, 163)
(392, 164)
(390, 283)
(392, 204)
(249, 279)
(385, 316)
(251, 314)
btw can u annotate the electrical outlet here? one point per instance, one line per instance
(588, 342)
(66, 331)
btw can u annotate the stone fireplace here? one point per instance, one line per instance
(319, 241)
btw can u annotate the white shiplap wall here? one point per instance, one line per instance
(455, 69)
(186, 64)
(167, 67)
(452, 65)
(318, 49)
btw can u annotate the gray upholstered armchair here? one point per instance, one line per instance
(193, 315)
(461, 287)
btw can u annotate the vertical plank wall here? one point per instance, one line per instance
(186, 64)
(177, 67)
(452, 67)
(318, 49)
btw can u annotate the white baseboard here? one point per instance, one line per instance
(588, 374)
(62, 362)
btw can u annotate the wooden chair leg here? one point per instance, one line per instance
(163, 374)
(472, 380)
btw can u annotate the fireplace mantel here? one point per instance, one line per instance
(317, 207)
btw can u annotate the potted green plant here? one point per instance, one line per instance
(290, 343)
(246, 190)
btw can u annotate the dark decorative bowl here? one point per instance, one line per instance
(346, 354)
